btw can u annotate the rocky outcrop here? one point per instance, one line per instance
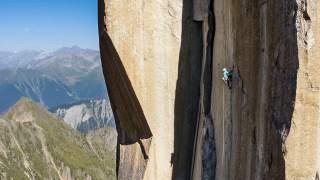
(176, 118)
(87, 115)
(153, 86)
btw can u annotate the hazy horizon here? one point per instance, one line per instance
(48, 25)
(49, 50)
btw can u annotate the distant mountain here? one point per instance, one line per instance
(15, 84)
(35, 145)
(86, 116)
(18, 59)
(68, 65)
(67, 75)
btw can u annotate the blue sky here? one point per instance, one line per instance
(47, 24)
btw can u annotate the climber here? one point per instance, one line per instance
(227, 77)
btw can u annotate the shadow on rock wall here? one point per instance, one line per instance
(187, 93)
(134, 134)
(266, 58)
(284, 68)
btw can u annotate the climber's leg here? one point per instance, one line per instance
(229, 82)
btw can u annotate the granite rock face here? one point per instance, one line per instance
(175, 117)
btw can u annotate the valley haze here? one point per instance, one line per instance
(71, 73)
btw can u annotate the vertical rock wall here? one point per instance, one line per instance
(303, 142)
(175, 116)
(151, 54)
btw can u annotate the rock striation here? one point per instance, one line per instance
(175, 117)
(86, 116)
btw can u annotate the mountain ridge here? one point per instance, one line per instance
(35, 145)
(71, 73)
(87, 115)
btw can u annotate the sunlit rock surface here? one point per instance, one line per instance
(87, 115)
(175, 117)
